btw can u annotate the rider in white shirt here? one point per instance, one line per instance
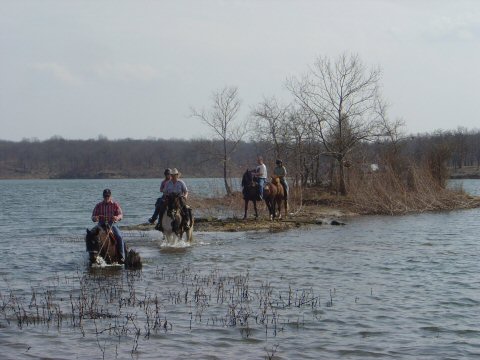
(261, 175)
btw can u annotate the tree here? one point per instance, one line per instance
(221, 118)
(271, 124)
(339, 100)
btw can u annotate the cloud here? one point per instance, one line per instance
(459, 28)
(126, 72)
(59, 72)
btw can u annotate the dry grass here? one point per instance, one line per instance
(383, 192)
(386, 193)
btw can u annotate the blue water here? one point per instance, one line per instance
(380, 287)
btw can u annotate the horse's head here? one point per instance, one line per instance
(92, 241)
(247, 178)
(173, 203)
(276, 180)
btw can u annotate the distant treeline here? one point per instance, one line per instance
(127, 158)
(102, 158)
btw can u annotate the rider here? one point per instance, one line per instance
(261, 174)
(159, 201)
(281, 172)
(176, 186)
(109, 212)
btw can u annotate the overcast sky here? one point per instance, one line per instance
(78, 69)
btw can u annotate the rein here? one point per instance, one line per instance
(108, 230)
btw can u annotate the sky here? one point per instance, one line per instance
(134, 69)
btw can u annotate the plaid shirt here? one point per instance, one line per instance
(107, 210)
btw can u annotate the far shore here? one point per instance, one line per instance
(466, 172)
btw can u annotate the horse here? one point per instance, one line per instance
(274, 195)
(100, 242)
(250, 192)
(174, 220)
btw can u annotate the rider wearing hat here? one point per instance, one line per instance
(109, 212)
(281, 172)
(176, 186)
(159, 201)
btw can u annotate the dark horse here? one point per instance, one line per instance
(100, 242)
(250, 192)
(175, 220)
(274, 196)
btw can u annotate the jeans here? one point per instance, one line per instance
(285, 185)
(158, 207)
(261, 184)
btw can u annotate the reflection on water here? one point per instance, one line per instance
(396, 287)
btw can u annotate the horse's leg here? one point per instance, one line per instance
(190, 232)
(246, 207)
(255, 207)
(269, 207)
(279, 207)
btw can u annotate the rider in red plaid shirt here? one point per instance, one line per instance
(109, 212)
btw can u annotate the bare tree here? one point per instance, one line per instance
(221, 118)
(340, 99)
(271, 124)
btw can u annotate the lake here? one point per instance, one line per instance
(404, 287)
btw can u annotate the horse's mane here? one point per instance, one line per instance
(247, 177)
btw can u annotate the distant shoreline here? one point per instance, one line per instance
(466, 172)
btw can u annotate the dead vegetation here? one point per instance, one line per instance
(117, 311)
(418, 191)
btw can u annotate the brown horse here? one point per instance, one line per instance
(100, 242)
(274, 195)
(250, 192)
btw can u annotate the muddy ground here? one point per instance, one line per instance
(311, 214)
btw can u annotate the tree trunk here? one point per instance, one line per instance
(228, 189)
(342, 186)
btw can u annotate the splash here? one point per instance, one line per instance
(101, 263)
(175, 244)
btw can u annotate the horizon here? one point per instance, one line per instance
(103, 137)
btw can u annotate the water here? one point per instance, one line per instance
(380, 287)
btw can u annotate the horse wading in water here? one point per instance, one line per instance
(274, 196)
(174, 220)
(250, 192)
(100, 242)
